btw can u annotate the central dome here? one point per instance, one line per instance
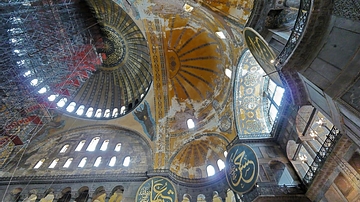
(122, 80)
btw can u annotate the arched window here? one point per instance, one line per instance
(228, 72)
(62, 102)
(115, 112)
(53, 164)
(225, 153)
(34, 82)
(71, 107)
(80, 110)
(82, 162)
(93, 143)
(97, 161)
(107, 113)
(112, 161)
(39, 163)
(52, 97)
(210, 170)
(98, 113)
(68, 162)
(220, 164)
(190, 123)
(42, 90)
(117, 147)
(89, 112)
(64, 149)
(126, 162)
(122, 110)
(80, 145)
(104, 145)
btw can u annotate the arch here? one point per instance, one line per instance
(216, 197)
(210, 170)
(14, 195)
(126, 161)
(48, 195)
(302, 118)
(83, 194)
(201, 198)
(99, 194)
(220, 163)
(198, 173)
(277, 168)
(117, 194)
(65, 195)
(186, 198)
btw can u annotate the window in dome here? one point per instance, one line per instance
(64, 148)
(210, 170)
(53, 164)
(142, 95)
(104, 145)
(122, 110)
(93, 143)
(190, 123)
(220, 164)
(225, 153)
(39, 163)
(228, 72)
(98, 113)
(112, 161)
(52, 97)
(27, 73)
(126, 162)
(71, 107)
(115, 112)
(68, 162)
(221, 35)
(118, 147)
(107, 113)
(97, 161)
(62, 102)
(80, 110)
(82, 162)
(34, 82)
(89, 112)
(42, 90)
(80, 145)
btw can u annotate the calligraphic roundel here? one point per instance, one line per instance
(156, 189)
(262, 53)
(242, 168)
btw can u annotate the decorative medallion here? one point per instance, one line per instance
(156, 189)
(263, 53)
(225, 123)
(242, 168)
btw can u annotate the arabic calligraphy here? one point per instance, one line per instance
(156, 189)
(263, 53)
(242, 168)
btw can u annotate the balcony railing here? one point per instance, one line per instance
(325, 150)
(296, 34)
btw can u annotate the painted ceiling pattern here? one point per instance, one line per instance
(249, 103)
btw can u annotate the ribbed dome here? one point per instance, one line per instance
(124, 77)
(198, 154)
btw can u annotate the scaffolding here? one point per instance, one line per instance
(47, 51)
